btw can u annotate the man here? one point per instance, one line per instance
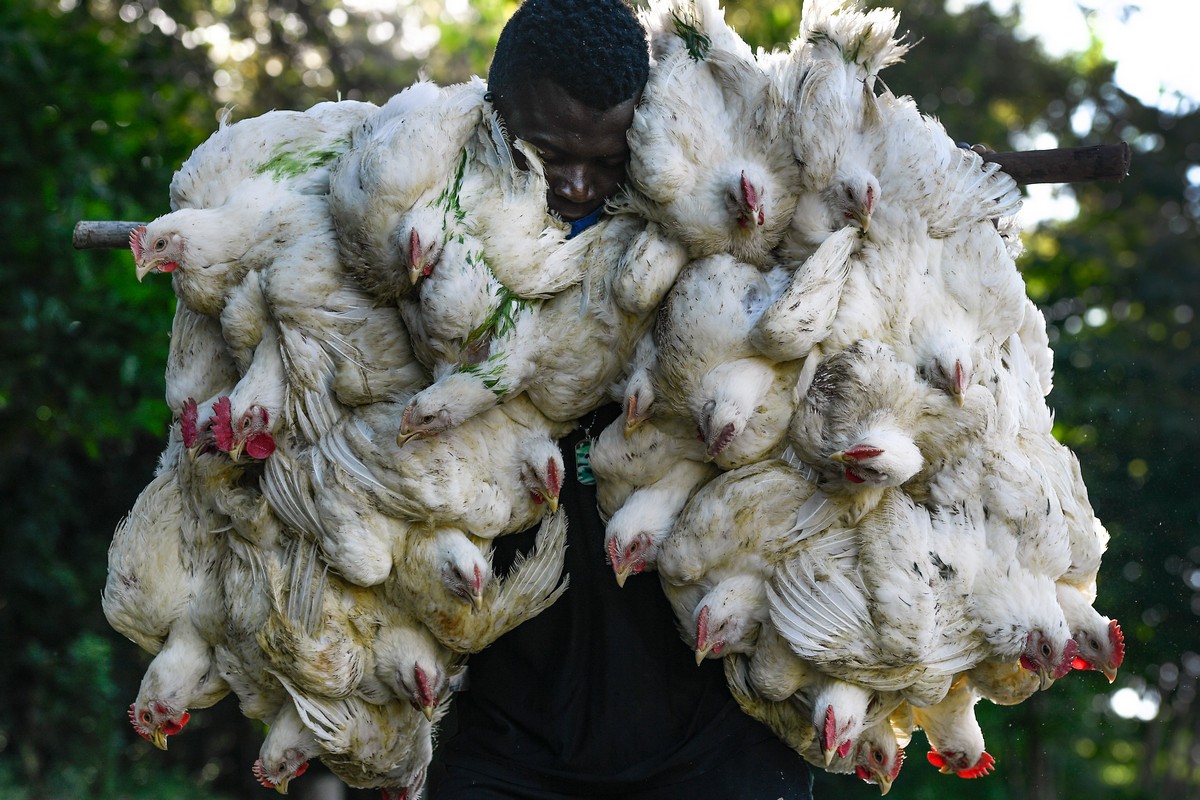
(597, 696)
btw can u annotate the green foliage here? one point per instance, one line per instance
(104, 99)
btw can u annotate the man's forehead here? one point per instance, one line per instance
(542, 111)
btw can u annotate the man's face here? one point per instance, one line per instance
(584, 151)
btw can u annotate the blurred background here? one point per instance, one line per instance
(103, 99)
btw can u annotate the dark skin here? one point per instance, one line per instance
(584, 151)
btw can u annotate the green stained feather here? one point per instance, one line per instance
(448, 199)
(696, 41)
(285, 163)
(491, 372)
(503, 316)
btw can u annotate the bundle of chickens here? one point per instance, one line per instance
(836, 450)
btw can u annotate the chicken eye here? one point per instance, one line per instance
(146, 718)
(160, 243)
(1045, 650)
(877, 756)
(428, 418)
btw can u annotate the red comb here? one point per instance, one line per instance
(137, 726)
(1117, 639)
(260, 773)
(860, 452)
(222, 424)
(135, 241)
(187, 423)
(1068, 660)
(423, 690)
(414, 247)
(702, 628)
(982, 767)
(829, 735)
(749, 193)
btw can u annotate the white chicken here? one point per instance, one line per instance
(142, 594)
(870, 605)
(383, 192)
(955, 738)
(707, 370)
(442, 583)
(369, 746)
(563, 352)
(708, 158)
(286, 750)
(637, 529)
(494, 474)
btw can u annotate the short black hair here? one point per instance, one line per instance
(596, 50)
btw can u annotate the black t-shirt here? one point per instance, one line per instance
(598, 692)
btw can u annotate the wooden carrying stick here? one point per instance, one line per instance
(1065, 165)
(102, 235)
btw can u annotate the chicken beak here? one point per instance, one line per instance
(415, 269)
(403, 438)
(1109, 671)
(143, 269)
(159, 739)
(839, 457)
(622, 572)
(701, 654)
(862, 219)
(477, 601)
(552, 503)
(428, 710)
(828, 754)
(281, 787)
(1045, 679)
(885, 784)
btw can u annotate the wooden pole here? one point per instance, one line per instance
(102, 234)
(1064, 165)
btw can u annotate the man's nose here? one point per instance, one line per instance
(573, 184)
